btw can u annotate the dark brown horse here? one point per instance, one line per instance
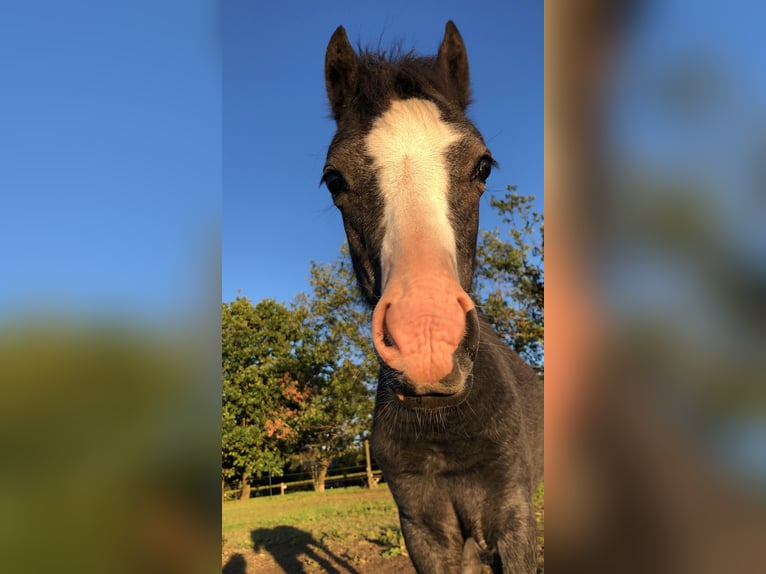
(458, 426)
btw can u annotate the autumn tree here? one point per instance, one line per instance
(510, 277)
(262, 393)
(339, 412)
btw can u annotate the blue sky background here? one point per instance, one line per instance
(110, 157)
(276, 218)
(143, 145)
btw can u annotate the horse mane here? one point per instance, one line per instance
(398, 74)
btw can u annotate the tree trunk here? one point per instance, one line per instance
(245, 486)
(321, 475)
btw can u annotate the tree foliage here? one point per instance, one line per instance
(339, 415)
(262, 391)
(510, 278)
(297, 381)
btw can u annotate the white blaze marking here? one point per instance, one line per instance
(408, 144)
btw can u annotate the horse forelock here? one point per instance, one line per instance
(384, 77)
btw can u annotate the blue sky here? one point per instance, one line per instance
(276, 218)
(143, 145)
(110, 156)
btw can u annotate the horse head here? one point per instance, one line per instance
(406, 168)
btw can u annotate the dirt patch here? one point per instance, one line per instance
(357, 557)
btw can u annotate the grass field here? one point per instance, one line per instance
(349, 530)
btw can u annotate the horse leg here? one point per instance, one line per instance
(431, 553)
(517, 548)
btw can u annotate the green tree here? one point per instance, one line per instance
(510, 278)
(339, 411)
(262, 396)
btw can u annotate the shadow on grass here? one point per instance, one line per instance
(288, 544)
(235, 565)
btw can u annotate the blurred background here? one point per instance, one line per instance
(656, 268)
(110, 207)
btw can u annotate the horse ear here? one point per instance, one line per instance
(341, 72)
(453, 64)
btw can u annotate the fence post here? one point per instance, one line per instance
(371, 481)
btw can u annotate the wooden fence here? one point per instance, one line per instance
(336, 478)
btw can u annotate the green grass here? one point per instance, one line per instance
(339, 514)
(344, 514)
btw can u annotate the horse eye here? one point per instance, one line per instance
(484, 168)
(334, 181)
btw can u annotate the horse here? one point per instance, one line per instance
(458, 422)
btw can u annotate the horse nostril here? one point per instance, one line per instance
(388, 340)
(471, 337)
